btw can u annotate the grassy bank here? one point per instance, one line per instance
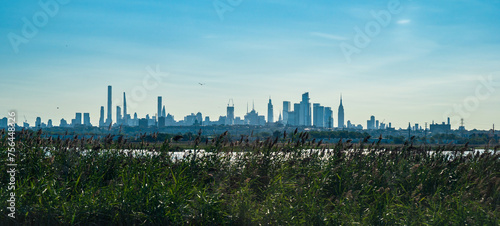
(394, 185)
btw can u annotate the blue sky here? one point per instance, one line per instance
(432, 60)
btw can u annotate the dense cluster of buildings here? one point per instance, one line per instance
(302, 114)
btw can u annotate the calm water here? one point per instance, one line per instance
(202, 153)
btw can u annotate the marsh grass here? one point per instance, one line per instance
(274, 181)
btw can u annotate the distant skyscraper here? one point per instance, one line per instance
(286, 110)
(199, 118)
(328, 121)
(230, 113)
(318, 115)
(159, 106)
(252, 118)
(118, 115)
(270, 112)
(78, 119)
(64, 123)
(38, 122)
(163, 112)
(86, 119)
(3, 122)
(101, 118)
(341, 114)
(125, 117)
(371, 124)
(49, 123)
(296, 114)
(109, 119)
(305, 111)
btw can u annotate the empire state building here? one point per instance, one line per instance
(341, 114)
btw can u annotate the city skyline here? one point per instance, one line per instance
(301, 115)
(404, 61)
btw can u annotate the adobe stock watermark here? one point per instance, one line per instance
(11, 164)
(372, 29)
(485, 88)
(40, 19)
(224, 6)
(151, 81)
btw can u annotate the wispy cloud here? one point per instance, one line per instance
(404, 21)
(328, 36)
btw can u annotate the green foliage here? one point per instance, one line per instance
(273, 181)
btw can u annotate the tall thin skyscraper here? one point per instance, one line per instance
(125, 117)
(109, 119)
(118, 115)
(101, 118)
(341, 114)
(270, 112)
(159, 107)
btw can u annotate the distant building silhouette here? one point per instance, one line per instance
(318, 115)
(370, 124)
(109, 119)
(125, 115)
(101, 118)
(341, 123)
(253, 118)
(159, 106)
(77, 120)
(118, 115)
(161, 122)
(270, 112)
(440, 128)
(86, 119)
(230, 113)
(296, 114)
(286, 110)
(63, 123)
(38, 122)
(328, 121)
(3, 122)
(305, 111)
(143, 123)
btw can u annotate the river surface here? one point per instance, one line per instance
(202, 153)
